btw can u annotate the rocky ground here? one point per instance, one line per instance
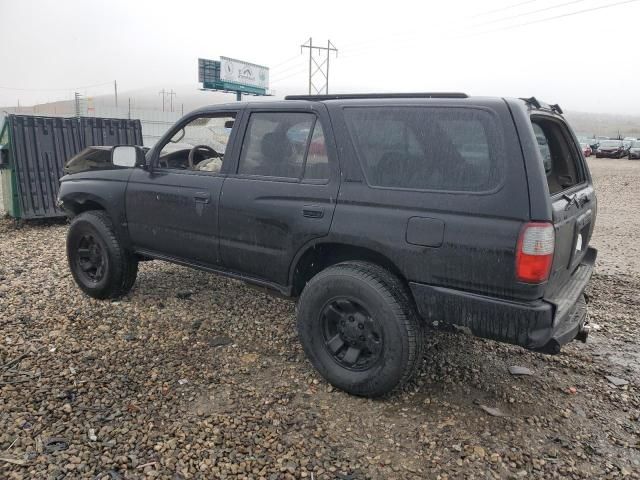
(197, 376)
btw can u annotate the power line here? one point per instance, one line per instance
(362, 50)
(55, 89)
(285, 62)
(299, 72)
(502, 9)
(524, 14)
(294, 67)
(541, 20)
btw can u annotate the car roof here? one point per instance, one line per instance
(357, 99)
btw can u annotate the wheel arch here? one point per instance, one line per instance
(79, 203)
(319, 255)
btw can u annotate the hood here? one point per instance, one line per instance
(91, 158)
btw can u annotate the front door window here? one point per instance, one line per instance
(200, 145)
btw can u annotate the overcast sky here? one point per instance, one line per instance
(587, 61)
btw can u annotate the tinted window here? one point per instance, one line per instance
(426, 148)
(275, 144)
(317, 165)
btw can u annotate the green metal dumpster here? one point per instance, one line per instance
(34, 150)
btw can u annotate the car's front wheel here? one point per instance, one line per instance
(99, 263)
(359, 328)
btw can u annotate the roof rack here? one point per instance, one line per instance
(356, 96)
(535, 103)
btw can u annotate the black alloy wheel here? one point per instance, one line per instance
(91, 258)
(100, 264)
(351, 335)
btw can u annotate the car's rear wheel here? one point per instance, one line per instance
(99, 263)
(359, 328)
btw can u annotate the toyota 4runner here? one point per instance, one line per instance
(378, 214)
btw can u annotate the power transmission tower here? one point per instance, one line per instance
(171, 95)
(163, 92)
(319, 68)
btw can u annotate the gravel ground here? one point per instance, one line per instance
(198, 376)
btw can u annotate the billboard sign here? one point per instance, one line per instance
(244, 73)
(208, 70)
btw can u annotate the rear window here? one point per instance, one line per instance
(427, 148)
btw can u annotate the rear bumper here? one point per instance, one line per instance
(544, 324)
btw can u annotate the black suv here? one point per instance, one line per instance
(378, 214)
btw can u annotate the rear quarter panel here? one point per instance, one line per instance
(480, 233)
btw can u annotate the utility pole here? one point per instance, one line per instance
(319, 69)
(115, 91)
(171, 95)
(162, 92)
(76, 96)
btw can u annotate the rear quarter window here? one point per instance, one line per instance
(561, 157)
(427, 148)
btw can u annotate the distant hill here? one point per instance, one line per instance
(604, 124)
(189, 97)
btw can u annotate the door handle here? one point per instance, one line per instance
(312, 211)
(202, 197)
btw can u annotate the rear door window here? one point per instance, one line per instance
(560, 156)
(285, 145)
(430, 148)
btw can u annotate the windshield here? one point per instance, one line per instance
(611, 143)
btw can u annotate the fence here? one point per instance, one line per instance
(154, 122)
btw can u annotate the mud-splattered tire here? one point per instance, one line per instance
(99, 263)
(359, 328)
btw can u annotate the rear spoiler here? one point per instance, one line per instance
(533, 102)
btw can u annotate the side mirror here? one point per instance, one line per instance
(127, 156)
(229, 124)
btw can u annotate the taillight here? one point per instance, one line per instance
(534, 254)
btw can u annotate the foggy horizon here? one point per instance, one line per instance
(553, 51)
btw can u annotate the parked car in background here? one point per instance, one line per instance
(586, 149)
(594, 143)
(627, 141)
(634, 150)
(611, 149)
